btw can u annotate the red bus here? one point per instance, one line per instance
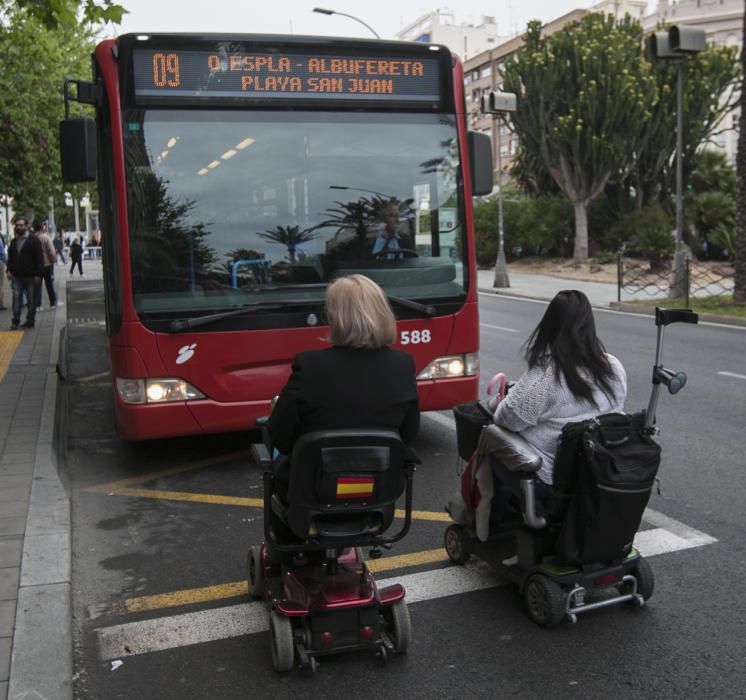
(239, 175)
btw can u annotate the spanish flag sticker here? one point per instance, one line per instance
(355, 488)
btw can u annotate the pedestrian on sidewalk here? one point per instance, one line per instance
(59, 247)
(3, 263)
(49, 257)
(25, 270)
(76, 255)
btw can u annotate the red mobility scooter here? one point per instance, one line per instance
(341, 497)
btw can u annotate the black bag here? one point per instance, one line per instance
(470, 418)
(604, 474)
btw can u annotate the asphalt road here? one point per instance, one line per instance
(158, 560)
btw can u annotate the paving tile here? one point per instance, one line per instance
(11, 509)
(9, 583)
(5, 660)
(11, 468)
(14, 525)
(14, 493)
(7, 617)
(10, 552)
(3, 690)
(14, 481)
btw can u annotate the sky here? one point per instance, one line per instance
(386, 17)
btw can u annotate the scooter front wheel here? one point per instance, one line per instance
(457, 544)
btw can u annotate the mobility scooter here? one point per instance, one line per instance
(341, 497)
(572, 551)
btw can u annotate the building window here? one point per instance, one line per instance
(485, 72)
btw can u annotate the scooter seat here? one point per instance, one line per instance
(512, 450)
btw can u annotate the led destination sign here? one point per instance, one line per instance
(167, 74)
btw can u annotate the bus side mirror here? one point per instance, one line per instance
(480, 163)
(78, 149)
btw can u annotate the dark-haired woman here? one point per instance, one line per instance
(570, 377)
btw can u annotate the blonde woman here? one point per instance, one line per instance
(359, 382)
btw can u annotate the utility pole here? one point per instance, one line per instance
(498, 104)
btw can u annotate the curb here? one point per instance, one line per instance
(620, 306)
(708, 318)
(509, 292)
(42, 658)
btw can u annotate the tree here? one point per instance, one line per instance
(711, 80)
(289, 236)
(57, 14)
(36, 62)
(584, 96)
(739, 289)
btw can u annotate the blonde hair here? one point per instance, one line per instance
(359, 314)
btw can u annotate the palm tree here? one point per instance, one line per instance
(289, 236)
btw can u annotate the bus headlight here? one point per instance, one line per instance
(451, 366)
(142, 391)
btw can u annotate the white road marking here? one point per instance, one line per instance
(498, 328)
(732, 374)
(169, 632)
(159, 634)
(173, 631)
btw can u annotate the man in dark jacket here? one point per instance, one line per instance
(25, 270)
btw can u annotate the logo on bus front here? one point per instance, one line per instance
(185, 353)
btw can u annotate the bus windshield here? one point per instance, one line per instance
(228, 208)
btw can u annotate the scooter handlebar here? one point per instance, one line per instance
(672, 380)
(665, 317)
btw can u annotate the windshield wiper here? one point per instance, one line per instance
(182, 324)
(427, 309)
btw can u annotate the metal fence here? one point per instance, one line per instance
(642, 279)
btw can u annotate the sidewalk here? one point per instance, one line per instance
(545, 287)
(35, 608)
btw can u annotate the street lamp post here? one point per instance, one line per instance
(498, 104)
(678, 43)
(323, 11)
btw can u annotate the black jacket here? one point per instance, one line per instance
(347, 388)
(30, 262)
(76, 252)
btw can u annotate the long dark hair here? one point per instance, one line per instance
(567, 335)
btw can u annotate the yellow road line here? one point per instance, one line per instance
(9, 341)
(192, 596)
(152, 476)
(217, 499)
(192, 497)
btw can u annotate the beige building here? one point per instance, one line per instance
(439, 27)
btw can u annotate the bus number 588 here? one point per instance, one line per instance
(415, 337)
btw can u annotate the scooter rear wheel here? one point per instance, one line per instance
(255, 572)
(645, 579)
(281, 640)
(545, 601)
(457, 544)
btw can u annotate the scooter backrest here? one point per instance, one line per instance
(345, 471)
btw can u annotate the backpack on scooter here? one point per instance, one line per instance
(605, 471)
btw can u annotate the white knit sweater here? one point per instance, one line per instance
(538, 406)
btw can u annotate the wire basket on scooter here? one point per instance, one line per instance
(470, 417)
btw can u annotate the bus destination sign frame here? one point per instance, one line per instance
(219, 73)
